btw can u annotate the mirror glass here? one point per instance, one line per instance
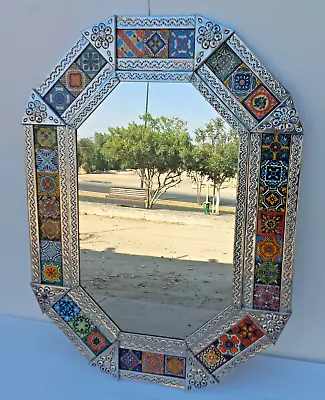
(157, 201)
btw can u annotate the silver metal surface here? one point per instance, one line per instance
(284, 119)
(102, 37)
(62, 66)
(39, 113)
(154, 64)
(94, 101)
(154, 76)
(239, 47)
(161, 379)
(197, 377)
(32, 204)
(94, 313)
(227, 97)
(108, 361)
(65, 328)
(251, 218)
(243, 356)
(208, 37)
(151, 22)
(47, 295)
(149, 343)
(214, 328)
(271, 323)
(290, 225)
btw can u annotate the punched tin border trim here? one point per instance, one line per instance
(228, 106)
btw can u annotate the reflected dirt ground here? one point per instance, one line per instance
(156, 276)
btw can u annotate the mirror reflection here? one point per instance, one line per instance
(157, 201)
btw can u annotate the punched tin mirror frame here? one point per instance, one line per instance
(228, 75)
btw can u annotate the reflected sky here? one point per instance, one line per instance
(127, 102)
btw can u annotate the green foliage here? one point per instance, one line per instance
(158, 148)
(90, 155)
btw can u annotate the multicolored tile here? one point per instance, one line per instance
(247, 332)
(275, 147)
(59, 98)
(96, 342)
(48, 184)
(268, 249)
(211, 358)
(229, 345)
(260, 102)
(90, 61)
(50, 229)
(130, 360)
(81, 325)
(270, 223)
(274, 173)
(153, 363)
(181, 43)
(268, 273)
(242, 82)
(272, 199)
(48, 207)
(46, 160)
(51, 252)
(75, 80)
(223, 62)
(45, 136)
(155, 43)
(66, 308)
(51, 273)
(266, 297)
(130, 43)
(175, 366)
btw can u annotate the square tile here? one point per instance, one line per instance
(46, 160)
(272, 199)
(45, 136)
(96, 342)
(260, 102)
(130, 360)
(181, 43)
(153, 363)
(267, 273)
(66, 308)
(223, 62)
(48, 184)
(275, 147)
(90, 61)
(242, 82)
(175, 366)
(266, 297)
(75, 80)
(50, 229)
(130, 43)
(268, 249)
(51, 273)
(81, 325)
(247, 332)
(51, 252)
(270, 223)
(229, 345)
(48, 207)
(59, 98)
(155, 43)
(274, 173)
(211, 358)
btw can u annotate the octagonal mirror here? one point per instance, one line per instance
(162, 239)
(157, 204)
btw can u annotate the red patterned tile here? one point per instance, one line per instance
(260, 102)
(247, 332)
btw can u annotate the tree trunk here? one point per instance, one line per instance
(218, 200)
(213, 198)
